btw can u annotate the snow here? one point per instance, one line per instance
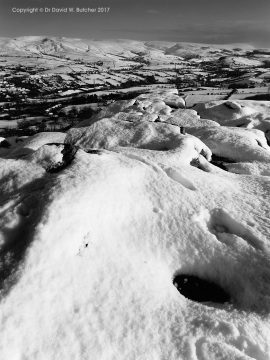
(89, 252)
(8, 124)
(234, 143)
(69, 92)
(241, 61)
(188, 118)
(244, 113)
(36, 141)
(150, 107)
(47, 155)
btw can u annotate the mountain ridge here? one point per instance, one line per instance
(53, 45)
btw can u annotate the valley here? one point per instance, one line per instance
(43, 79)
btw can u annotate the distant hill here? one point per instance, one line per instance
(111, 50)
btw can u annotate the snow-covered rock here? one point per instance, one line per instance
(111, 133)
(249, 168)
(188, 118)
(175, 101)
(96, 226)
(146, 107)
(47, 155)
(244, 113)
(33, 143)
(234, 143)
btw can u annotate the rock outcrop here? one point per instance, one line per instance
(110, 232)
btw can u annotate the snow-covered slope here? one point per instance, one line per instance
(114, 49)
(97, 225)
(206, 50)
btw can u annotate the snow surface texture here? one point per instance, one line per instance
(243, 113)
(95, 225)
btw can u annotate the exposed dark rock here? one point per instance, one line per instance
(221, 161)
(69, 153)
(4, 144)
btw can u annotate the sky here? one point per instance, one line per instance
(203, 21)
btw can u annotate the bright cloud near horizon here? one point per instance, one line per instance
(209, 21)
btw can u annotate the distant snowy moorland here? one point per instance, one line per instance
(41, 77)
(141, 233)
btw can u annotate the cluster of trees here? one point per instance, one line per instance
(86, 99)
(149, 79)
(190, 56)
(56, 121)
(26, 124)
(266, 63)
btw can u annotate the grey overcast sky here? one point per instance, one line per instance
(209, 21)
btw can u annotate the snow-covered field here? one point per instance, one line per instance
(8, 123)
(98, 225)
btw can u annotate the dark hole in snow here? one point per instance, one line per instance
(156, 148)
(182, 130)
(162, 149)
(259, 143)
(94, 151)
(221, 158)
(220, 161)
(200, 290)
(241, 125)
